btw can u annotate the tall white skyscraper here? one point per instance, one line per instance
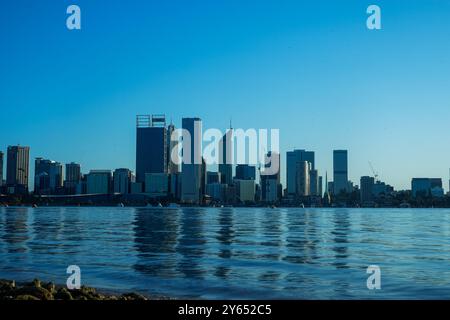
(303, 178)
(191, 168)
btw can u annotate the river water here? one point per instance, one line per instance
(233, 253)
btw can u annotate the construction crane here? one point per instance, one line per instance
(375, 174)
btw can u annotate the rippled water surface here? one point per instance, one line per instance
(233, 252)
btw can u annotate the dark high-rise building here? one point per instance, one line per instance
(18, 166)
(122, 179)
(425, 186)
(271, 189)
(294, 162)
(73, 177)
(226, 157)
(191, 169)
(99, 182)
(320, 190)
(327, 194)
(151, 146)
(73, 172)
(203, 179)
(1, 168)
(340, 172)
(366, 189)
(172, 167)
(314, 183)
(212, 177)
(48, 176)
(245, 172)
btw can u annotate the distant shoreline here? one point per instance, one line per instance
(142, 201)
(7, 205)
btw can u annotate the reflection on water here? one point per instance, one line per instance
(341, 232)
(225, 238)
(14, 229)
(233, 252)
(155, 237)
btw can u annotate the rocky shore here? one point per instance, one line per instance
(37, 290)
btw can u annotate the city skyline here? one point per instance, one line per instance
(145, 137)
(335, 85)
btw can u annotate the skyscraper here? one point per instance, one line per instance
(340, 171)
(1, 168)
(172, 167)
(303, 179)
(122, 179)
(314, 189)
(48, 176)
(73, 177)
(157, 185)
(191, 168)
(326, 196)
(98, 182)
(424, 186)
(366, 189)
(320, 188)
(17, 171)
(245, 172)
(151, 145)
(226, 157)
(73, 172)
(212, 177)
(293, 159)
(271, 189)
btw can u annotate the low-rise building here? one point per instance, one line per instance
(157, 184)
(245, 190)
(98, 182)
(423, 186)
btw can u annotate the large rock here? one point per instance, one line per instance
(85, 293)
(7, 283)
(63, 294)
(50, 286)
(38, 292)
(7, 287)
(35, 283)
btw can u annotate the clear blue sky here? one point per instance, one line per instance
(310, 68)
